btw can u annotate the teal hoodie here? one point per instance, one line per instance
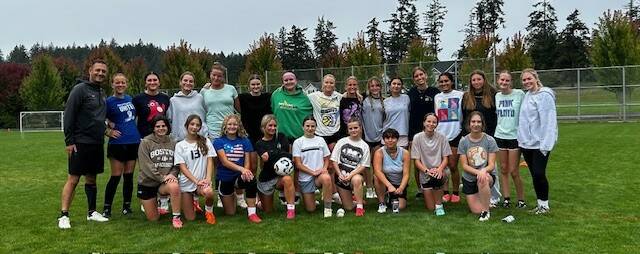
(290, 109)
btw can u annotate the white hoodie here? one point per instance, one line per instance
(181, 107)
(538, 125)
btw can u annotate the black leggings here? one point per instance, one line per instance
(537, 163)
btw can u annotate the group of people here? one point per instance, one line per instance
(341, 145)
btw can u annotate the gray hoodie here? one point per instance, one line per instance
(538, 125)
(155, 157)
(181, 107)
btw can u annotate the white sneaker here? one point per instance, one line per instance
(96, 216)
(142, 208)
(328, 212)
(382, 208)
(484, 216)
(64, 222)
(219, 204)
(241, 202)
(371, 193)
(163, 203)
(336, 199)
(340, 213)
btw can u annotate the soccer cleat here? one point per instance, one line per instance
(484, 216)
(96, 216)
(127, 211)
(291, 214)
(241, 202)
(340, 213)
(254, 218)
(64, 222)
(328, 212)
(446, 198)
(162, 211)
(142, 208)
(370, 193)
(359, 212)
(196, 206)
(493, 205)
(521, 204)
(506, 204)
(542, 210)
(455, 198)
(106, 213)
(439, 211)
(176, 222)
(382, 208)
(211, 218)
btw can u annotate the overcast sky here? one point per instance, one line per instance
(223, 25)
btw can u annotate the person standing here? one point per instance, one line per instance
(183, 104)
(290, 105)
(150, 103)
(537, 133)
(84, 130)
(254, 105)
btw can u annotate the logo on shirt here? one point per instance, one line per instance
(477, 156)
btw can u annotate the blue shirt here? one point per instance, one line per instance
(122, 113)
(234, 149)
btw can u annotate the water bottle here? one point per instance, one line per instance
(396, 206)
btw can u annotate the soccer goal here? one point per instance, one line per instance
(34, 121)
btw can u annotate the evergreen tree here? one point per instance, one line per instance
(615, 43)
(113, 60)
(325, 42)
(363, 58)
(434, 17)
(514, 57)
(68, 72)
(42, 89)
(574, 41)
(633, 10)
(375, 37)
(178, 59)
(297, 53)
(403, 27)
(18, 55)
(543, 38)
(280, 42)
(1, 57)
(490, 16)
(470, 31)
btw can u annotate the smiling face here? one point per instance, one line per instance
(255, 86)
(119, 84)
(289, 81)
(529, 82)
(152, 83)
(504, 83)
(352, 86)
(271, 128)
(354, 129)
(374, 88)
(390, 141)
(420, 78)
(160, 128)
(430, 123)
(396, 87)
(194, 126)
(445, 84)
(186, 84)
(98, 73)
(475, 123)
(328, 85)
(309, 127)
(477, 81)
(217, 77)
(231, 128)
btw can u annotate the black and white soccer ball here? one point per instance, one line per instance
(283, 166)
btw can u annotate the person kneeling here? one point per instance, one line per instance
(391, 168)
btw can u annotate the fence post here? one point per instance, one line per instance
(321, 74)
(352, 70)
(266, 80)
(579, 103)
(455, 72)
(384, 74)
(624, 95)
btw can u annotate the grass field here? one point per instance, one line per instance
(594, 202)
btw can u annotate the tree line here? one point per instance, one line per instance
(41, 77)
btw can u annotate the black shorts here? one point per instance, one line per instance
(228, 188)
(456, 141)
(333, 138)
(507, 144)
(373, 144)
(470, 188)
(123, 152)
(434, 183)
(88, 159)
(346, 186)
(146, 192)
(402, 195)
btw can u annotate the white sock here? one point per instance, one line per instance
(208, 208)
(439, 206)
(176, 215)
(359, 206)
(544, 203)
(164, 201)
(251, 210)
(291, 207)
(239, 196)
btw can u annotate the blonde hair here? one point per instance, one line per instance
(357, 84)
(265, 120)
(241, 131)
(510, 76)
(535, 75)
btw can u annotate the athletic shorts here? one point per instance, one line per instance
(308, 186)
(507, 144)
(434, 183)
(123, 152)
(346, 186)
(267, 187)
(373, 144)
(88, 159)
(228, 188)
(402, 195)
(146, 193)
(333, 138)
(456, 141)
(470, 188)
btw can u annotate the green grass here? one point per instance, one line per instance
(592, 174)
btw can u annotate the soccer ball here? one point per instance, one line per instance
(283, 166)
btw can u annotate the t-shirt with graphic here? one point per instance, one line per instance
(147, 107)
(122, 113)
(372, 119)
(311, 152)
(397, 111)
(508, 111)
(429, 150)
(194, 159)
(477, 153)
(350, 154)
(235, 150)
(326, 111)
(219, 104)
(290, 108)
(349, 108)
(448, 107)
(276, 148)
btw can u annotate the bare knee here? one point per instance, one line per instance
(356, 180)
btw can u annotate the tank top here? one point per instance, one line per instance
(392, 168)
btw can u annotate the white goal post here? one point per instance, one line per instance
(38, 121)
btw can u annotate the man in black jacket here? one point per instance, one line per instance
(84, 128)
